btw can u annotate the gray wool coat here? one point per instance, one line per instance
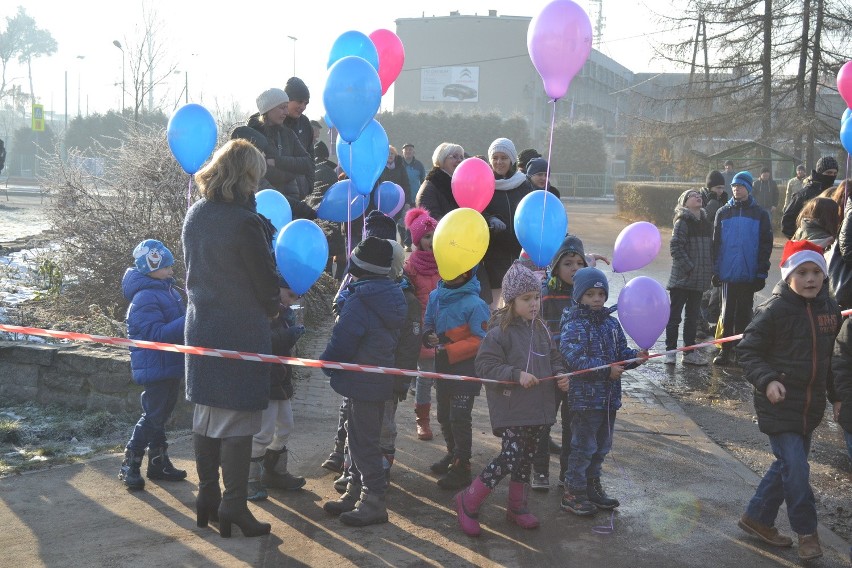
(232, 290)
(691, 246)
(502, 355)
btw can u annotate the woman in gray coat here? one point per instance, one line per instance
(232, 290)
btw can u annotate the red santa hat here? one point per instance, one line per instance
(798, 252)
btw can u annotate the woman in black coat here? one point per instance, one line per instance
(232, 291)
(436, 193)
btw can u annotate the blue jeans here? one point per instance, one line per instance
(158, 402)
(786, 480)
(591, 441)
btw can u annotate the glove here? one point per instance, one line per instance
(495, 224)
(715, 281)
(759, 284)
(442, 358)
(298, 331)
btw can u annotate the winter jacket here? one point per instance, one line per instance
(790, 339)
(840, 379)
(416, 176)
(459, 318)
(811, 230)
(556, 298)
(840, 261)
(503, 354)
(742, 242)
(156, 313)
(408, 348)
(765, 193)
(232, 290)
(692, 239)
(291, 159)
(423, 285)
(301, 127)
(793, 186)
(504, 243)
(324, 178)
(399, 176)
(367, 332)
(712, 203)
(811, 187)
(591, 338)
(285, 333)
(436, 194)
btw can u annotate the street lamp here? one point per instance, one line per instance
(79, 113)
(117, 44)
(294, 54)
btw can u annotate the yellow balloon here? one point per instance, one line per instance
(460, 241)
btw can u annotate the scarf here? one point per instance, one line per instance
(423, 261)
(511, 183)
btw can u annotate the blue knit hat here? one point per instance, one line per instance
(151, 255)
(743, 178)
(586, 278)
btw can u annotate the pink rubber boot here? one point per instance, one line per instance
(516, 509)
(467, 506)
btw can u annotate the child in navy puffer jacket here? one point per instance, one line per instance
(156, 313)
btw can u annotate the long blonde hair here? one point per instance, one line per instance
(233, 174)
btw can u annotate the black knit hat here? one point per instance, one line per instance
(297, 90)
(321, 150)
(372, 256)
(380, 225)
(714, 178)
(526, 155)
(571, 245)
(826, 163)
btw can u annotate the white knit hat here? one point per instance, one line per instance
(271, 98)
(506, 146)
(799, 252)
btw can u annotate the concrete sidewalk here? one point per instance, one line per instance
(681, 496)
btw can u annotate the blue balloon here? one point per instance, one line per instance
(192, 135)
(389, 198)
(338, 200)
(540, 225)
(364, 160)
(354, 43)
(846, 135)
(301, 252)
(846, 114)
(352, 95)
(275, 207)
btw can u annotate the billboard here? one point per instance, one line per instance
(458, 84)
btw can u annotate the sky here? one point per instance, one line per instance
(228, 56)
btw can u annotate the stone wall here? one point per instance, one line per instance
(79, 377)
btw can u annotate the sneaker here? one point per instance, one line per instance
(255, 491)
(540, 481)
(334, 462)
(694, 358)
(598, 496)
(670, 358)
(577, 503)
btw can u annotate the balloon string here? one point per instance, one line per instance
(188, 191)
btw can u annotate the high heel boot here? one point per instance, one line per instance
(236, 457)
(207, 465)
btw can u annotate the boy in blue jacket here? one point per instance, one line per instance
(591, 337)
(367, 332)
(156, 313)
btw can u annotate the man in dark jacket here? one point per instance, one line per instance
(301, 125)
(765, 191)
(840, 383)
(742, 244)
(821, 179)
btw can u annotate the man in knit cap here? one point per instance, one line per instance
(821, 179)
(742, 244)
(296, 121)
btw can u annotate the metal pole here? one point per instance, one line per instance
(294, 54)
(186, 87)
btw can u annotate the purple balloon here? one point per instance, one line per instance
(559, 41)
(643, 310)
(636, 246)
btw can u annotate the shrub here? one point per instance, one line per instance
(649, 201)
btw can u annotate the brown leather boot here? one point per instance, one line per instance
(809, 547)
(424, 430)
(767, 534)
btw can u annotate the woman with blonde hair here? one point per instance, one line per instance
(436, 193)
(232, 291)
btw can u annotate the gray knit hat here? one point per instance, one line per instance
(506, 146)
(826, 163)
(519, 280)
(371, 256)
(271, 98)
(586, 278)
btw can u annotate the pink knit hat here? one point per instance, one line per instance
(419, 222)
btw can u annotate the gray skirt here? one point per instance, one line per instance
(216, 422)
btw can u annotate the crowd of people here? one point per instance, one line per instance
(521, 326)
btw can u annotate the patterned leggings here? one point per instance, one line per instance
(516, 455)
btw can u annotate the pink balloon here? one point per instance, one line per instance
(636, 246)
(643, 310)
(473, 184)
(559, 40)
(391, 56)
(844, 83)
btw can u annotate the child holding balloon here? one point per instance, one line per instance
(518, 349)
(591, 337)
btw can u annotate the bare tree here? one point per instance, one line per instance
(25, 40)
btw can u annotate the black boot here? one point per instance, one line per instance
(236, 458)
(275, 472)
(335, 458)
(129, 472)
(160, 466)
(207, 466)
(598, 496)
(442, 466)
(458, 477)
(346, 502)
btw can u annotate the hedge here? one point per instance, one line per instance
(649, 201)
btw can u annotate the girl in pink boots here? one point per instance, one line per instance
(518, 349)
(422, 271)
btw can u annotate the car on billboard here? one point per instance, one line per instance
(460, 92)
